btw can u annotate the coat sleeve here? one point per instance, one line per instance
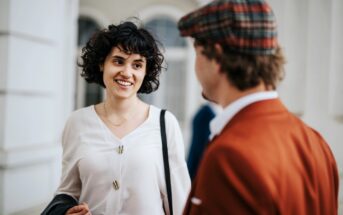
(70, 180)
(180, 180)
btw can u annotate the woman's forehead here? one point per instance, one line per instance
(125, 54)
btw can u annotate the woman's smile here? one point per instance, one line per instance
(123, 82)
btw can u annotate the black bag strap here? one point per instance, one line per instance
(166, 160)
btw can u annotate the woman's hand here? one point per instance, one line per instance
(81, 209)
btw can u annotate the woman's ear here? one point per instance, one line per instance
(101, 67)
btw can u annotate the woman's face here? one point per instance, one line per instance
(123, 73)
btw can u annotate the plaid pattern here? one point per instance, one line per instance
(245, 26)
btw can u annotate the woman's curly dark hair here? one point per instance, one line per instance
(130, 39)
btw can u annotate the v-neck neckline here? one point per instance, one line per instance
(111, 134)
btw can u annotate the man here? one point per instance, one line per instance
(261, 159)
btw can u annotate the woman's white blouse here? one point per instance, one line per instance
(122, 176)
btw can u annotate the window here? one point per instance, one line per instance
(166, 31)
(86, 94)
(171, 93)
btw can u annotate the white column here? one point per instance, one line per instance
(318, 63)
(336, 88)
(292, 28)
(323, 75)
(37, 42)
(336, 73)
(294, 35)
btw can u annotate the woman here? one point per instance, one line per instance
(112, 156)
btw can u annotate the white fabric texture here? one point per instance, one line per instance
(122, 176)
(223, 118)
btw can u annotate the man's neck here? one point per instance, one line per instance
(235, 94)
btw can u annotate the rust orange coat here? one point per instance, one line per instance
(266, 161)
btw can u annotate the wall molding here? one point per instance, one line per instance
(18, 157)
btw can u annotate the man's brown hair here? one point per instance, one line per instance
(245, 71)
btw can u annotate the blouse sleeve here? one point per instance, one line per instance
(180, 179)
(70, 180)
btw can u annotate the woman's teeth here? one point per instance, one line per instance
(124, 83)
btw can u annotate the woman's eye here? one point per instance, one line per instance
(137, 66)
(118, 62)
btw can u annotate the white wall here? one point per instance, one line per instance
(116, 11)
(37, 42)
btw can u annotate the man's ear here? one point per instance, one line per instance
(219, 51)
(101, 67)
(218, 48)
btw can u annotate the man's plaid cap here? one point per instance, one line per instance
(244, 26)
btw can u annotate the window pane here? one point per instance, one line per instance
(175, 83)
(171, 94)
(93, 94)
(87, 27)
(166, 31)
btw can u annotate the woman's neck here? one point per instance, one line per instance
(122, 106)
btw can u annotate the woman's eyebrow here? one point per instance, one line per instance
(140, 60)
(118, 57)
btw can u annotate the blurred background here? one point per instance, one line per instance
(40, 85)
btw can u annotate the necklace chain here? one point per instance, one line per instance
(109, 121)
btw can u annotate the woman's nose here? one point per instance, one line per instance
(126, 72)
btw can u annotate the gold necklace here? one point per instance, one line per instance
(115, 124)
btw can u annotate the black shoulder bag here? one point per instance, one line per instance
(166, 160)
(59, 205)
